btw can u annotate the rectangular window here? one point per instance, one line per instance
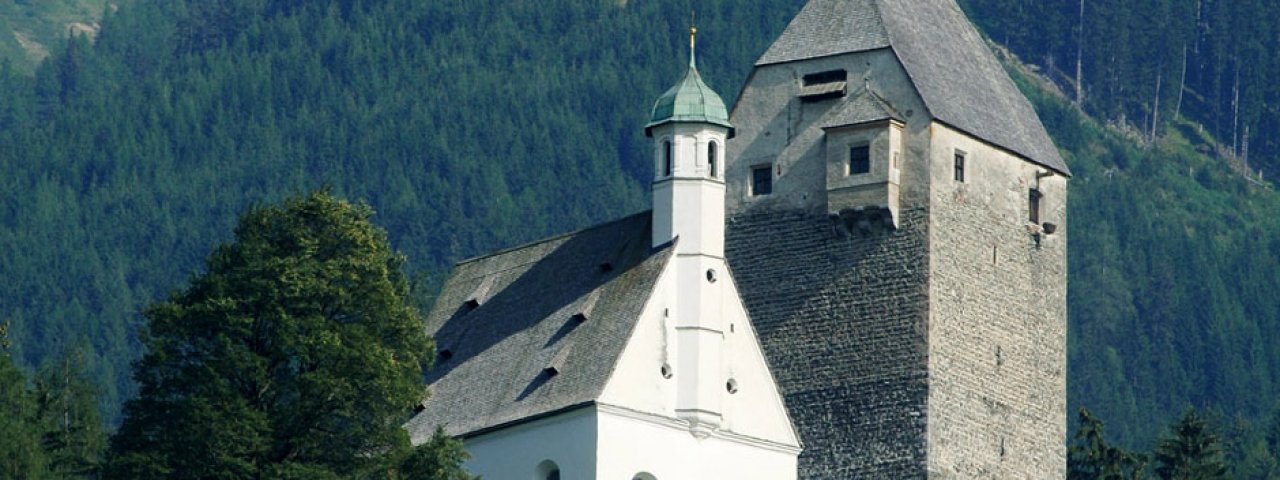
(860, 160)
(1034, 204)
(761, 180)
(960, 166)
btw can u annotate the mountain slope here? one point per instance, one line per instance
(475, 125)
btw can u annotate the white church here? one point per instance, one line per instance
(860, 272)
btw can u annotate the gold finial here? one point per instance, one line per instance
(693, 28)
(693, 38)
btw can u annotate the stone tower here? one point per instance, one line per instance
(897, 228)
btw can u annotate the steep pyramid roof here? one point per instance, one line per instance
(538, 329)
(959, 79)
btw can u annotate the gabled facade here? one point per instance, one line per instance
(897, 225)
(621, 351)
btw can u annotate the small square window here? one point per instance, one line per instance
(860, 160)
(960, 160)
(761, 180)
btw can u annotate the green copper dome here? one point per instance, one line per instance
(690, 101)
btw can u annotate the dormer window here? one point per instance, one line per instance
(667, 157)
(859, 159)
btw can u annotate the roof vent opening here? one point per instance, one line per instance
(472, 303)
(556, 365)
(824, 85)
(606, 267)
(445, 355)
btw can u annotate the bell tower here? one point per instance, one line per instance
(690, 125)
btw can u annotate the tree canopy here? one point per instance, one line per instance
(297, 354)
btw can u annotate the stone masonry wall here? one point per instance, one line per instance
(997, 322)
(842, 321)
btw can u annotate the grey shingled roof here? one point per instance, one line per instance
(959, 79)
(552, 304)
(863, 107)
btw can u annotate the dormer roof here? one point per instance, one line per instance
(955, 73)
(864, 106)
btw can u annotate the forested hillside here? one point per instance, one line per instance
(1142, 64)
(471, 125)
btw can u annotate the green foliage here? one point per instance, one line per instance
(1144, 63)
(1191, 452)
(438, 459)
(73, 433)
(1089, 457)
(20, 453)
(298, 354)
(1171, 266)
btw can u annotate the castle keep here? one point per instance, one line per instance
(858, 272)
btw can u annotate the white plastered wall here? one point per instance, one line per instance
(633, 442)
(754, 417)
(514, 453)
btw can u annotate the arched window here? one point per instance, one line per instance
(667, 153)
(711, 159)
(547, 470)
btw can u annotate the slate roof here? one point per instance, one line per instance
(865, 106)
(959, 79)
(568, 303)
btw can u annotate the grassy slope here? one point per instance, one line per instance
(43, 23)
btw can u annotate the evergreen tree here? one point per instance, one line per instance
(296, 355)
(20, 454)
(73, 435)
(1191, 452)
(1091, 458)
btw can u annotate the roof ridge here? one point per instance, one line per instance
(550, 239)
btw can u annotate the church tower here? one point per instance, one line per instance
(622, 351)
(690, 125)
(897, 227)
